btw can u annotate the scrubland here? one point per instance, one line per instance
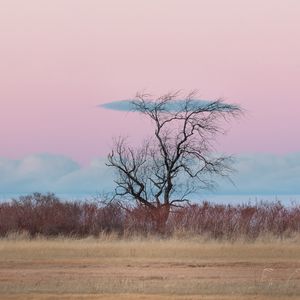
(52, 250)
(49, 216)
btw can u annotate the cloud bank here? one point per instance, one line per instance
(255, 174)
(122, 105)
(53, 173)
(265, 174)
(175, 105)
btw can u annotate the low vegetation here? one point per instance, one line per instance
(54, 249)
(110, 267)
(48, 216)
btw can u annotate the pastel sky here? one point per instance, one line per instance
(61, 59)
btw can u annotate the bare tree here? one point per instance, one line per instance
(178, 159)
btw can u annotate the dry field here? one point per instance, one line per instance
(110, 268)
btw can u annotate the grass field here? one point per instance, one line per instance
(110, 268)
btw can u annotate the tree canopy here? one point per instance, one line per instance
(178, 159)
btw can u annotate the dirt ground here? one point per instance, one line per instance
(148, 269)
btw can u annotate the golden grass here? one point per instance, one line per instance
(138, 268)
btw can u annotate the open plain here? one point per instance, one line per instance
(140, 268)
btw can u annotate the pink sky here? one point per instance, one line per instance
(59, 59)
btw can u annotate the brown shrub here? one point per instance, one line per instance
(47, 215)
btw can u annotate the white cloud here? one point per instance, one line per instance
(95, 178)
(34, 172)
(256, 174)
(265, 174)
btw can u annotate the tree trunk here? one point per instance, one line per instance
(160, 217)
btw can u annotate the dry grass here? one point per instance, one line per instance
(139, 268)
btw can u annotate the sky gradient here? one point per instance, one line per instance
(61, 59)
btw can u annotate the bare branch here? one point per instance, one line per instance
(178, 159)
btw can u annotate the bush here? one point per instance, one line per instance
(47, 215)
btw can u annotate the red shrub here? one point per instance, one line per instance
(49, 216)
